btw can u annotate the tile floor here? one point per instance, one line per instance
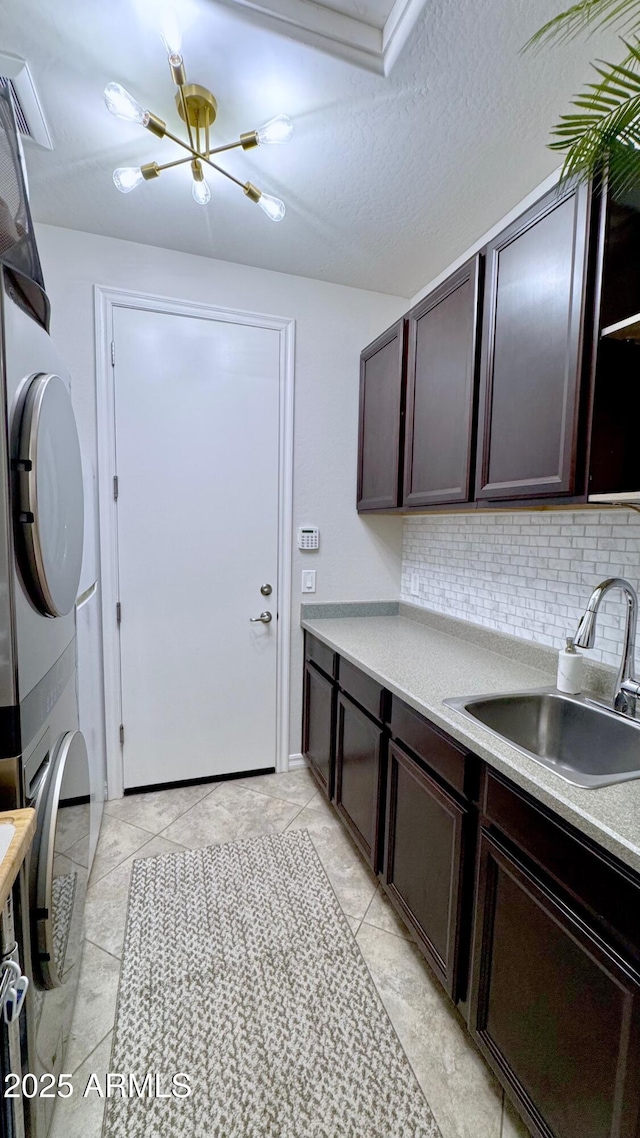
(464, 1096)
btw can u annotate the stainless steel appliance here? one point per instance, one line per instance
(52, 766)
(43, 756)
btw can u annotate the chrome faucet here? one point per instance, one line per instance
(627, 686)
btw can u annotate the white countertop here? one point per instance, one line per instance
(424, 665)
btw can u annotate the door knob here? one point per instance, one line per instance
(266, 590)
(264, 618)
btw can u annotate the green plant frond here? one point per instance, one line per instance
(605, 129)
(590, 101)
(615, 83)
(620, 125)
(623, 69)
(590, 15)
(623, 167)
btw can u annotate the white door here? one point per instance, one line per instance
(196, 414)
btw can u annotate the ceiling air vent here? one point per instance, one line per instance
(21, 118)
(15, 74)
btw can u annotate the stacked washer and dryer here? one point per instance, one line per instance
(43, 755)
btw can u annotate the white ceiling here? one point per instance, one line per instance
(386, 181)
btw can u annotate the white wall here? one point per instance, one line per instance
(359, 558)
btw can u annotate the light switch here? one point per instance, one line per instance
(308, 580)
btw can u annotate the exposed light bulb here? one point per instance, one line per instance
(171, 33)
(273, 207)
(201, 192)
(123, 105)
(126, 178)
(277, 130)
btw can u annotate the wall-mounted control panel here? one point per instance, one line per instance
(308, 537)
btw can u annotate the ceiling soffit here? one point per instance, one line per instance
(371, 42)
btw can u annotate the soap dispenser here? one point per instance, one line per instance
(570, 669)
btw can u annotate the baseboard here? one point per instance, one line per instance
(297, 761)
(179, 783)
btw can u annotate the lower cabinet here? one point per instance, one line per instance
(359, 785)
(477, 867)
(554, 1009)
(424, 861)
(318, 725)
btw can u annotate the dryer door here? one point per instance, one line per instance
(58, 882)
(50, 511)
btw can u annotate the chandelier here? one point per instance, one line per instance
(197, 108)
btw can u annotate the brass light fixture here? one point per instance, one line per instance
(197, 108)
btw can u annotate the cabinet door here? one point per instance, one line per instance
(424, 854)
(318, 726)
(381, 420)
(321, 655)
(531, 366)
(554, 1009)
(358, 788)
(441, 369)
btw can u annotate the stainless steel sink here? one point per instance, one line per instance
(584, 743)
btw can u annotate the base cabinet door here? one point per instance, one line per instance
(318, 726)
(358, 782)
(424, 856)
(554, 1009)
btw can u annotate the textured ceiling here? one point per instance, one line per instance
(387, 180)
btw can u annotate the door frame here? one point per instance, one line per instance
(106, 301)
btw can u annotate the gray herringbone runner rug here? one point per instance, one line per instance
(240, 969)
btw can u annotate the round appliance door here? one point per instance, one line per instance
(58, 882)
(51, 500)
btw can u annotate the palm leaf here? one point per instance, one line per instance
(588, 15)
(605, 129)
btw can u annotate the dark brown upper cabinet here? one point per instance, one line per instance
(382, 382)
(441, 373)
(614, 455)
(536, 298)
(550, 412)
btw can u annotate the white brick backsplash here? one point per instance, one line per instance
(526, 573)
